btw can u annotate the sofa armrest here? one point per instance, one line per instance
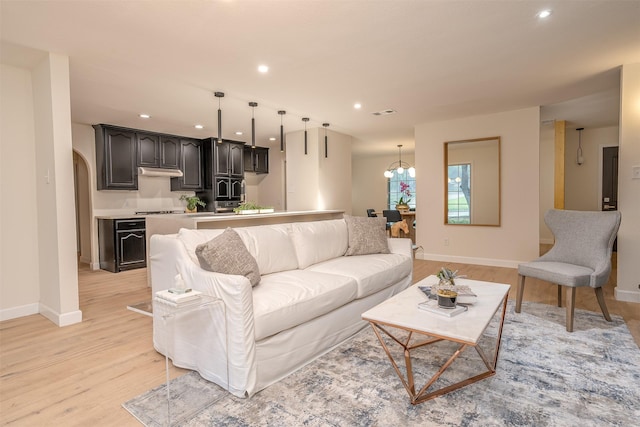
(400, 246)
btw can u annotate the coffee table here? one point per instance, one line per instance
(400, 314)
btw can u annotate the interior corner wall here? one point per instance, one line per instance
(19, 259)
(302, 171)
(55, 191)
(517, 238)
(628, 280)
(547, 173)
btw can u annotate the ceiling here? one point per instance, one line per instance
(427, 60)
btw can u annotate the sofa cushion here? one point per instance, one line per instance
(271, 246)
(227, 254)
(372, 273)
(319, 241)
(289, 298)
(366, 235)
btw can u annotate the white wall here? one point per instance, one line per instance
(628, 281)
(316, 182)
(583, 182)
(39, 265)
(19, 258)
(517, 238)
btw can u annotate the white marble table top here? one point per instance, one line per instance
(402, 311)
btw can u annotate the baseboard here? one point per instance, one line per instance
(628, 296)
(95, 266)
(61, 319)
(21, 311)
(469, 260)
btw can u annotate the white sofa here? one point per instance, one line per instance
(309, 300)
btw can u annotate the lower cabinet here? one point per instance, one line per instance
(122, 244)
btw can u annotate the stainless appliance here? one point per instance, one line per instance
(225, 206)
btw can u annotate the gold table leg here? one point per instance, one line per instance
(408, 383)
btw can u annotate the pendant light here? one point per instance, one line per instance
(282, 113)
(579, 158)
(253, 106)
(326, 144)
(400, 166)
(305, 120)
(219, 95)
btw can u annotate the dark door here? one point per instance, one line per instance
(610, 178)
(169, 152)
(191, 165)
(148, 155)
(221, 158)
(236, 163)
(120, 161)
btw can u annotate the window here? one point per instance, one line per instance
(402, 186)
(459, 194)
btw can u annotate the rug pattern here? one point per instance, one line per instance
(545, 377)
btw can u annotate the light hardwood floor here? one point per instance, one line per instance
(79, 375)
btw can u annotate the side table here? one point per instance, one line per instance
(184, 319)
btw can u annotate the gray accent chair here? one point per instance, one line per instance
(581, 256)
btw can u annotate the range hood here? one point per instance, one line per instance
(159, 172)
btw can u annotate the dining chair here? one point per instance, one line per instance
(371, 213)
(580, 256)
(392, 217)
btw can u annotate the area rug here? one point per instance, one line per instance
(545, 377)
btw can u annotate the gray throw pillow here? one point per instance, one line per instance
(227, 254)
(366, 235)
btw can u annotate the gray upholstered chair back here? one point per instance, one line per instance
(583, 238)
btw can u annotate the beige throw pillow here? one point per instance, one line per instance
(366, 235)
(227, 254)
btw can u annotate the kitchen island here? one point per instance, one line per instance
(172, 223)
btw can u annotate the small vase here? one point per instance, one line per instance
(402, 207)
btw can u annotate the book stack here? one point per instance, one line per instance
(432, 307)
(178, 297)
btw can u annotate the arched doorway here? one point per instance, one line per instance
(83, 208)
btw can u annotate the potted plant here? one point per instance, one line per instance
(403, 204)
(247, 208)
(192, 203)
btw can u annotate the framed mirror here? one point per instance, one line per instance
(472, 182)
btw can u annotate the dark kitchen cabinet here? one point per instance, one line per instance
(158, 151)
(122, 244)
(228, 188)
(115, 158)
(191, 163)
(228, 158)
(256, 159)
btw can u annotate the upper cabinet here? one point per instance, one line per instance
(116, 158)
(158, 151)
(191, 165)
(228, 158)
(256, 159)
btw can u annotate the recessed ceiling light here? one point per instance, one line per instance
(357, 106)
(145, 116)
(544, 13)
(272, 138)
(263, 68)
(238, 133)
(198, 126)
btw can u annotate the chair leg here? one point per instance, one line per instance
(559, 295)
(603, 306)
(519, 293)
(571, 303)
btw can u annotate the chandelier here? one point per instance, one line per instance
(400, 166)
